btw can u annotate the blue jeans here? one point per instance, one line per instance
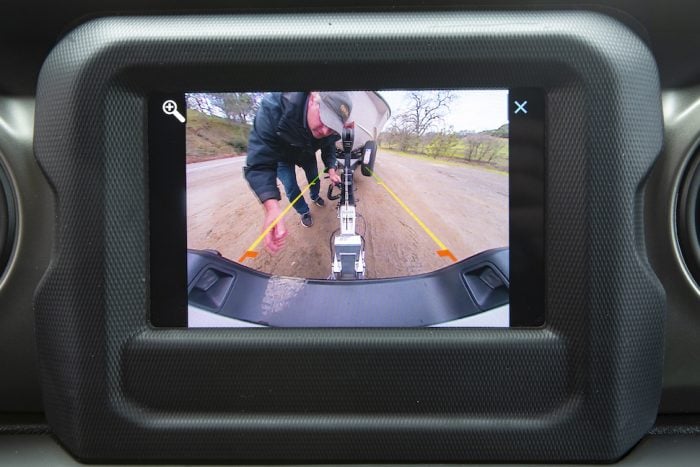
(287, 175)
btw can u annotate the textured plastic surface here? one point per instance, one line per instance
(585, 387)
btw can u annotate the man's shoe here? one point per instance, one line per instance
(306, 220)
(319, 202)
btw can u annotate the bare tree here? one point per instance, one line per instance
(237, 105)
(402, 137)
(426, 111)
(209, 104)
(490, 150)
(471, 148)
(481, 148)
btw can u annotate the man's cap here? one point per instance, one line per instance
(335, 108)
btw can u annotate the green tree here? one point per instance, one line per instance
(442, 144)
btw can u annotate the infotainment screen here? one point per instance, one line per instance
(379, 208)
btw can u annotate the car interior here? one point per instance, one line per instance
(40, 388)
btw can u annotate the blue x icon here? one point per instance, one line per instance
(520, 107)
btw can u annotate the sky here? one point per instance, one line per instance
(472, 110)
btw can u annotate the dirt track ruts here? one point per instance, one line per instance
(465, 207)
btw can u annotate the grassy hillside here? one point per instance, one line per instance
(210, 137)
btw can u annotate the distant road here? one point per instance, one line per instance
(212, 164)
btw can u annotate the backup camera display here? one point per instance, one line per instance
(308, 195)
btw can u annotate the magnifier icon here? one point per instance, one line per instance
(170, 108)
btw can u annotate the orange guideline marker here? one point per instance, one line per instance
(443, 251)
(250, 252)
(447, 253)
(247, 254)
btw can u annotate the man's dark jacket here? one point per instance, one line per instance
(280, 134)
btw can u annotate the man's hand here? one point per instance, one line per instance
(333, 176)
(274, 240)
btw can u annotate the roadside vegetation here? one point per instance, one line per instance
(414, 132)
(483, 149)
(211, 137)
(218, 125)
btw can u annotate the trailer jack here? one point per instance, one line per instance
(348, 247)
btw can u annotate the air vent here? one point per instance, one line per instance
(688, 217)
(7, 220)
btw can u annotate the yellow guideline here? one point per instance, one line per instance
(250, 252)
(443, 251)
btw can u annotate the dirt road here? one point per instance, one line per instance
(465, 208)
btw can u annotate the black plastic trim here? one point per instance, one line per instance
(422, 300)
(401, 394)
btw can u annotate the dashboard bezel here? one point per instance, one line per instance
(401, 394)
